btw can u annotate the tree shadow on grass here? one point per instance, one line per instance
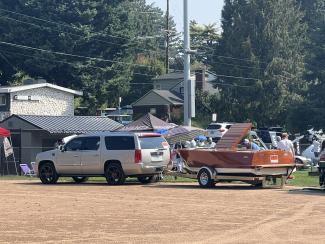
(187, 186)
(310, 191)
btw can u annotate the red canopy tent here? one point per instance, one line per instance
(4, 132)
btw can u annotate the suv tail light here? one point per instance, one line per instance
(137, 156)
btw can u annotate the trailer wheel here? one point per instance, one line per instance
(205, 179)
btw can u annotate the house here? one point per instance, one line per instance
(166, 99)
(164, 104)
(174, 81)
(122, 115)
(32, 134)
(37, 97)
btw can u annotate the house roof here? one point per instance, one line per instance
(169, 96)
(154, 97)
(148, 122)
(70, 124)
(10, 89)
(171, 76)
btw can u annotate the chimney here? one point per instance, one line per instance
(200, 79)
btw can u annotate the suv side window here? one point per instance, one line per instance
(90, 143)
(119, 143)
(74, 145)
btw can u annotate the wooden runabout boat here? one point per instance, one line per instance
(228, 162)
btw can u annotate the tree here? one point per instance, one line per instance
(260, 59)
(88, 45)
(312, 110)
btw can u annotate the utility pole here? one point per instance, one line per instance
(167, 38)
(187, 75)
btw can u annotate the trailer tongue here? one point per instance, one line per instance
(227, 162)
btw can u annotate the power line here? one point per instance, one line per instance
(135, 73)
(70, 63)
(111, 61)
(64, 24)
(72, 34)
(71, 55)
(233, 85)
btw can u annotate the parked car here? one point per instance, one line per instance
(264, 133)
(115, 155)
(217, 130)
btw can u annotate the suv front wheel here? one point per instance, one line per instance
(47, 173)
(114, 174)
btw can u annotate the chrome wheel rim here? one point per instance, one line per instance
(204, 178)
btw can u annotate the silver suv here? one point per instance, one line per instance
(115, 155)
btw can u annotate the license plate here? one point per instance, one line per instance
(156, 156)
(274, 159)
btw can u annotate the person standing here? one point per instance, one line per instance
(285, 144)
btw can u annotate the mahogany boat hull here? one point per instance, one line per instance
(230, 159)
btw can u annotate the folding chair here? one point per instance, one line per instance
(26, 170)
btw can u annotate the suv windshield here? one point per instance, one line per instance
(214, 127)
(152, 142)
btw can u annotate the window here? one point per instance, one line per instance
(181, 90)
(157, 86)
(152, 142)
(153, 110)
(90, 143)
(119, 143)
(83, 143)
(3, 100)
(74, 145)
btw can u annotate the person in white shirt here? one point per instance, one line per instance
(285, 144)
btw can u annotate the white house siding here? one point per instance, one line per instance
(49, 101)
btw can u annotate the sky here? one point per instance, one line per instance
(203, 11)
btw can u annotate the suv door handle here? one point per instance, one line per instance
(76, 155)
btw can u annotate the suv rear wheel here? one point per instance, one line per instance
(114, 174)
(47, 173)
(148, 179)
(79, 179)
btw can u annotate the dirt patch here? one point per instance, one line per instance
(161, 213)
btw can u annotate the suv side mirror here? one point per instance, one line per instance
(61, 148)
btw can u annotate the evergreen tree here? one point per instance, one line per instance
(262, 42)
(312, 110)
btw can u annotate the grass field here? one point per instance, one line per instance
(301, 178)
